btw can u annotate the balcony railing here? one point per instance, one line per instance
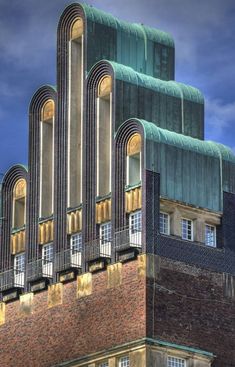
(11, 278)
(68, 259)
(97, 249)
(39, 269)
(127, 238)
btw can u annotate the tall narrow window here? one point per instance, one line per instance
(186, 229)
(47, 260)
(75, 114)
(105, 239)
(46, 159)
(134, 160)
(210, 235)
(19, 202)
(135, 228)
(104, 131)
(19, 269)
(164, 223)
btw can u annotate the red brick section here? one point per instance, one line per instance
(102, 320)
(191, 310)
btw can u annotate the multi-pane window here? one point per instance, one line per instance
(47, 253)
(105, 239)
(124, 362)
(106, 232)
(76, 243)
(187, 229)
(104, 364)
(210, 235)
(136, 221)
(164, 223)
(19, 263)
(175, 362)
(135, 224)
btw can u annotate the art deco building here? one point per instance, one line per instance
(118, 239)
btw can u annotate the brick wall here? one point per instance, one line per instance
(191, 308)
(107, 317)
(184, 305)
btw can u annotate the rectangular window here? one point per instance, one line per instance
(135, 225)
(76, 250)
(19, 263)
(105, 239)
(106, 232)
(210, 235)
(104, 364)
(164, 223)
(19, 268)
(47, 253)
(76, 243)
(47, 260)
(187, 229)
(124, 362)
(175, 362)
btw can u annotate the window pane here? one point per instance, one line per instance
(187, 229)
(106, 232)
(20, 263)
(164, 223)
(104, 364)
(175, 362)
(135, 221)
(124, 362)
(76, 243)
(47, 253)
(210, 235)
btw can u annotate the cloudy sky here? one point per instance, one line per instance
(205, 52)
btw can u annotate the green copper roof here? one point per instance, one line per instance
(180, 347)
(172, 88)
(101, 17)
(209, 148)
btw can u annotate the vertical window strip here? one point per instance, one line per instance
(187, 229)
(210, 235)
(164, 223)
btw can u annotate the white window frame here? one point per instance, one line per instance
(47, 264)
(104, 364)
(19, 269)
(76, 249)
(210, 243)
(135, 228)
(124, 361)
(168, 223)
(19, 259)
(105, 231)
(175, 361)
(187, 238)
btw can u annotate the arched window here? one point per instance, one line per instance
(104, 139)
(47, 158)
(134, 160)
(19, 204)
(75, 113)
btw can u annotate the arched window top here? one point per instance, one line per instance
(134, 145)
(77, 29)
(105, 86)
(19, 189)
(19, 200)
(48, 110)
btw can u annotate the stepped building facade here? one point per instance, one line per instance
(118, 239)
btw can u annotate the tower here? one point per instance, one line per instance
(117, 244)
